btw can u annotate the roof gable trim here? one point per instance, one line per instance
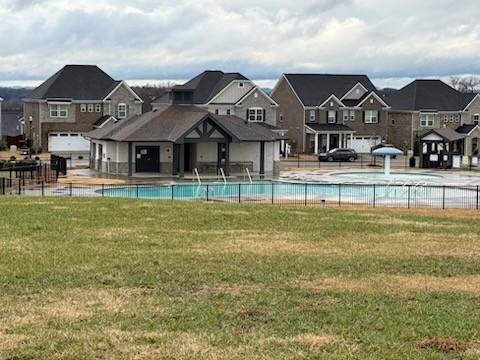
(376, 97)
(332, 97)
(128, 88)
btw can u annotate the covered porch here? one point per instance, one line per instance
(439, 147)
(322, 138)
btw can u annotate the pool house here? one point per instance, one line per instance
(174, 140)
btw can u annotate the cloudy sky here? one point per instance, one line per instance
(391, 41)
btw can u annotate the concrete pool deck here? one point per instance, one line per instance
(434, 177)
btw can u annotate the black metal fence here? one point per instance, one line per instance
(338, 195)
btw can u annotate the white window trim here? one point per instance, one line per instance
(51, 110)
(258, 113)
(83, 108)
(313, 115)
(346, 115)
(90, 108)
(98, 107)
(369, 118)
(427, 122)
(352, 115)
(122, 114)
(334, 119)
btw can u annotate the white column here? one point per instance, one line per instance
(316, 143)
(387, 165)
(328, 142)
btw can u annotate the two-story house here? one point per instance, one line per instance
(424, 105)
(226, 94)
(59, 111)
(323, 112)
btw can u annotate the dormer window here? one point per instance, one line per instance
(256, 114)
(122, 111)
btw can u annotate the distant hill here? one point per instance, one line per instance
(13, 97)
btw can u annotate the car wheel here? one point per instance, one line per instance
(351, 159)
(330, 159)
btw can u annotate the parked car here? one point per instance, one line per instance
(339, 155)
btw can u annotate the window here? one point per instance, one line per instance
(457, 118)
(451, 118)
(240, 84)
(228, 111)
(348, 115)
(426, 120)
(216, 112)
(255, 114)
(90, 107)
(476, 119)
(83, 107)
(332, 116)
(98, 107)
(281, 117)
(371, 117)
(122, 111)
(312, 115)
(58, 111)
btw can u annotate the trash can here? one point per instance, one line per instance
(412, 162)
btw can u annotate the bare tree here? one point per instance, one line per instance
(465, 84)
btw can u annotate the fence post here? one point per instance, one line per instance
(273, 186)
(478, 188)
(3, 187)
(408, 187)
(103, 190)
(137, 190)
(239, 193)
(43, 188)
(305, 194)
(172, 190)
(207, 192)
(374, 195)
(70, 189)
(443, 198)
(19, 186)
(339, 195)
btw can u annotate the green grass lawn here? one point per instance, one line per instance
(111, 278)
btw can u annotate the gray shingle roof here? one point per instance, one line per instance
(208, 84)
(171, 123)
(428, 95)
(330, 127)
(466, 128)
(446, 133)
(314, 89)
(77, 82)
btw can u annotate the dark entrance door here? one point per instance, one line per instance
(147, 159)
(334, 140)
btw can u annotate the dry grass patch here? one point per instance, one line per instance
(442, 344)
(11, 341)
(70, 305)
(231, 289)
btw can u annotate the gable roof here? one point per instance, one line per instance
(170, 123)
(76, 82)
(314, 89)
(428, 95)
(208, 84)
(446, 133)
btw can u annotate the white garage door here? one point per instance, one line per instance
(67, 142)
(363, 144)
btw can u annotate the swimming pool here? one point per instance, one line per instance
(276, 191)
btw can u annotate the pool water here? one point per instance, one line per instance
(273, 190)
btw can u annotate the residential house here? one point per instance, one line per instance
(323, 112)
(174, 140)
(227, 94)
(67, 105)
(423, 105)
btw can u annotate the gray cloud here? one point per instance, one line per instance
(175, 40)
